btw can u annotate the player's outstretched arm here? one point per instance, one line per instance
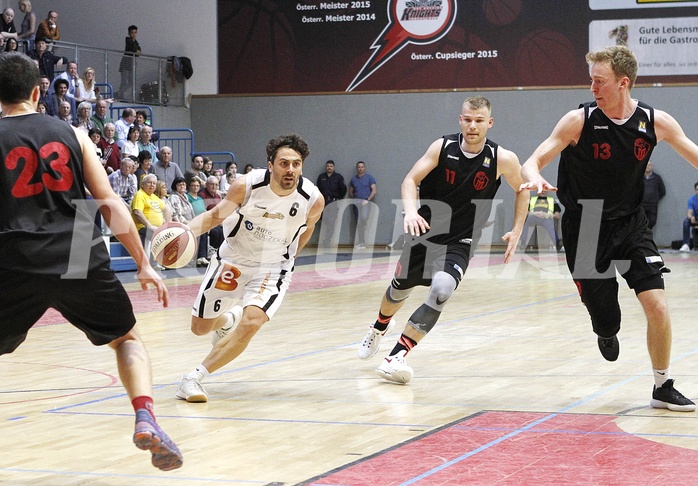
(668, 129)
(216, 215)
(414, 224)
(566, 132)
(508, 165)
(118, 217)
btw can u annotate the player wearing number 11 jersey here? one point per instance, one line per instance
(268, 216)
(457, 178)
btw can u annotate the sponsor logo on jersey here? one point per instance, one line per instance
(600, 127)
(249, 225)
(273, 215)
(642, 127)
(449, 156)
(480, 181)
(487, 161)
(260, 207)
(641, 148)
(227, 278)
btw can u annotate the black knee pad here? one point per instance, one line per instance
(600, 296)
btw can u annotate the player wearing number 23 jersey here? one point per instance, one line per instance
(45, 200)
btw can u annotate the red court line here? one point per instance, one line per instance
(567, 449)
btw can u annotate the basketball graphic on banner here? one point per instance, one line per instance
(501, 12)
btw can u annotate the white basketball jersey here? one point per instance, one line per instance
(266, 228)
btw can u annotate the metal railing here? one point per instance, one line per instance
(150, 81)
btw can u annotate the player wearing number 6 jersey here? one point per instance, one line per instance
(268, 216)
(52, 253)
(605, 147)
(457, 177)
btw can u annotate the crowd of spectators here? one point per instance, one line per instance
(146, 177)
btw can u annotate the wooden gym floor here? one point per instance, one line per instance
(509, 389)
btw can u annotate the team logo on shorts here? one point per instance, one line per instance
(641, 148)
(480, 181)
(227, 278)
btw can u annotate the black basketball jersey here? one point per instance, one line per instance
(608, 161)
(45, 226)
(466, 185)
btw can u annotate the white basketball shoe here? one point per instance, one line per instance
(372, 341)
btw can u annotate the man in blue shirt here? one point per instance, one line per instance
(362, 186)
(691, 219)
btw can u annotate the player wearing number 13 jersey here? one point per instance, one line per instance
(268, 216)
(457, 177)
(605, 148)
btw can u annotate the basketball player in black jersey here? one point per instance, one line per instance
(52, 254)
(605, 146)
(457, 177)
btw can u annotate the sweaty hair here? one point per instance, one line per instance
(477, 102)
(620, 58)
(292, 141)
(18, 77)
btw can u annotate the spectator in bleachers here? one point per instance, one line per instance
(149, 211)
(248, 167)
(210, 192)
(71, 75)
(85, 88)
(208, 167)
(196, 169)
(145, 165)
(100, 117)
(144, 142)
(41, 108)
(164, 168)
(218, 173)
(123, 182)
(83, 119)
(65, 112)
(60, 95)
(123, 124)
(199, 206)
(182, 210)
(131, 50)
(11, 45)
(7, 25)
(48, 61)
(95, 135)
(131, 144)
(48, 28)
(27, 31)
(44, 94)
(141, 118)
(110, 149)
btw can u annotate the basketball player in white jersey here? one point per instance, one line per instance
(268, 216)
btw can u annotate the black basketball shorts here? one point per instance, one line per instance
(97, 305)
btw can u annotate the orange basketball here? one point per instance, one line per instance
(173, 245)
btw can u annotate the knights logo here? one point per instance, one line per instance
(641, 148)
(273, 215)
(480, 181)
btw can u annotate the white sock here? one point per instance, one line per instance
(660, 376)
(198, 374)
